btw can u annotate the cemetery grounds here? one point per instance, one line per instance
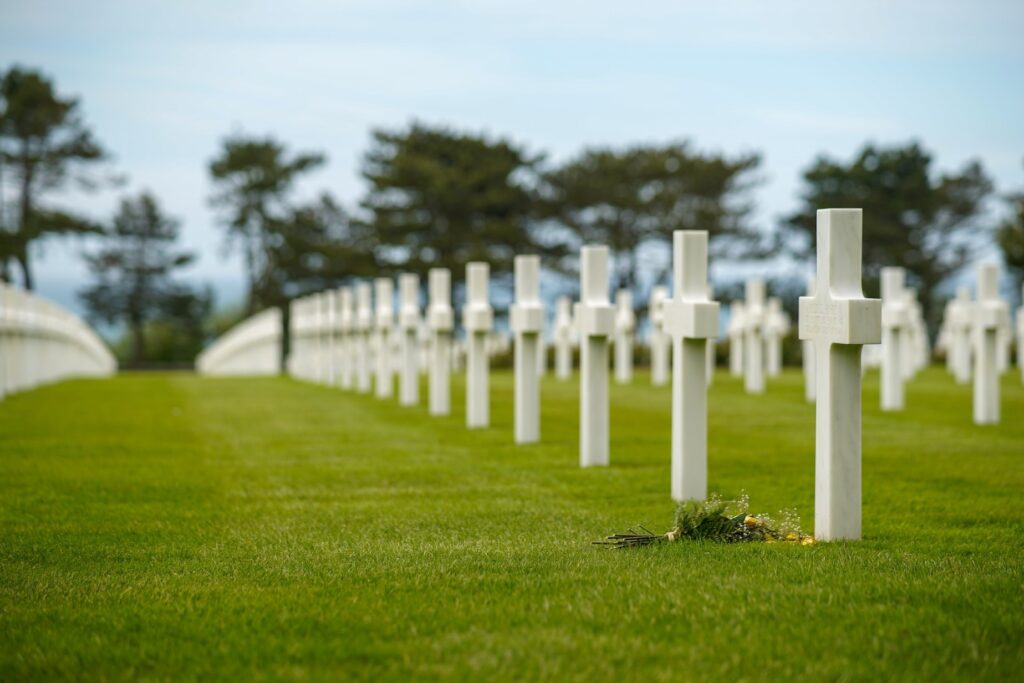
(162, 526)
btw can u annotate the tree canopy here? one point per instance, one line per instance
(133, 272)
(43, 145)
(253, 179)
(443, 198)
(1010, 238)
(926, 222)
(627, 198)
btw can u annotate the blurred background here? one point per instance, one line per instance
(167, 169)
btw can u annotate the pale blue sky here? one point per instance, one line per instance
(162, 83)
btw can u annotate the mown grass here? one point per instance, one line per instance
(158, 527)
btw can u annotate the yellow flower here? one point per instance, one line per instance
(751, 521)
(809, 540)
(791, 536)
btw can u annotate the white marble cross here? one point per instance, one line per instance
(810, 382)
(526, 318)
(477, 318)
(839, 320)
(776, 327)
(711, 344)
(690, 320)
(328, 309)
(595, 319)
(1020, 335)
(384, 322)
(895, 320)
(441, 319)
(753, 343)
(960, 335)
(625, 324)
(658, 340)
(346, 323)
(989, 310)
(564, 333)
(363, 326)
(735, 333)
(409, 321)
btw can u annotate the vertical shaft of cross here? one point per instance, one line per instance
(363, 325)
(625, 321)
(441, 320)
(839, 321)
(810, 381)
(894, 320)
(382, 335)
(690, 321)
(409, 320)
(1020, 335)
(987, 313)
(563, 338)
(659, 341)
(595, 319)
(527, 317)
(477, 319)
(346, 320)
(753, 343)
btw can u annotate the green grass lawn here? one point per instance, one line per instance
(165, 526)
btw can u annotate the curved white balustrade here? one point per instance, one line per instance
(42, 343)
(252, 347)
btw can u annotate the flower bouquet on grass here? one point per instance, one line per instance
(723, 521)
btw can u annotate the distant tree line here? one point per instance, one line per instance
(441, 197)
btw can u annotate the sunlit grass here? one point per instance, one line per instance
(166, 526)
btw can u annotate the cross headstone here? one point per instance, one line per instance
(1003, 340)
(710, 344)
(839, 320)
(895, 321)
(690, 320)
(361, 340)
(735, 332)
(595, 318)
(753, 342)
(328, 324)
(658, 340)
(564, 332)
(526, 319)
(988, 313)
(913, 352)
(346, 323)
(960, 335)
(384, 321)
(807, 346)
(776, 327)
(477, 318)
(625, 323)
(1020, 334)
(542, 350)
(409, 322)
(441, 319)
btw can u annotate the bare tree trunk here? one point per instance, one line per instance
(26, 271)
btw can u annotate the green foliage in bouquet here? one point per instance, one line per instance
(722, 521)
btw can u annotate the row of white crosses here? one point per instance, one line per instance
(42, 343)
(252, 347)
(837, 320)
(974, 334)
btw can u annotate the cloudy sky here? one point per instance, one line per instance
(162, 83)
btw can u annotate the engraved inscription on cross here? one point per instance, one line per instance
(838, 319)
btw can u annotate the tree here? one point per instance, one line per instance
(1010, 238)
(43, 145)
(928, 224)
(626, 199)
(439, 198)
(254, 178)
(134, 273)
